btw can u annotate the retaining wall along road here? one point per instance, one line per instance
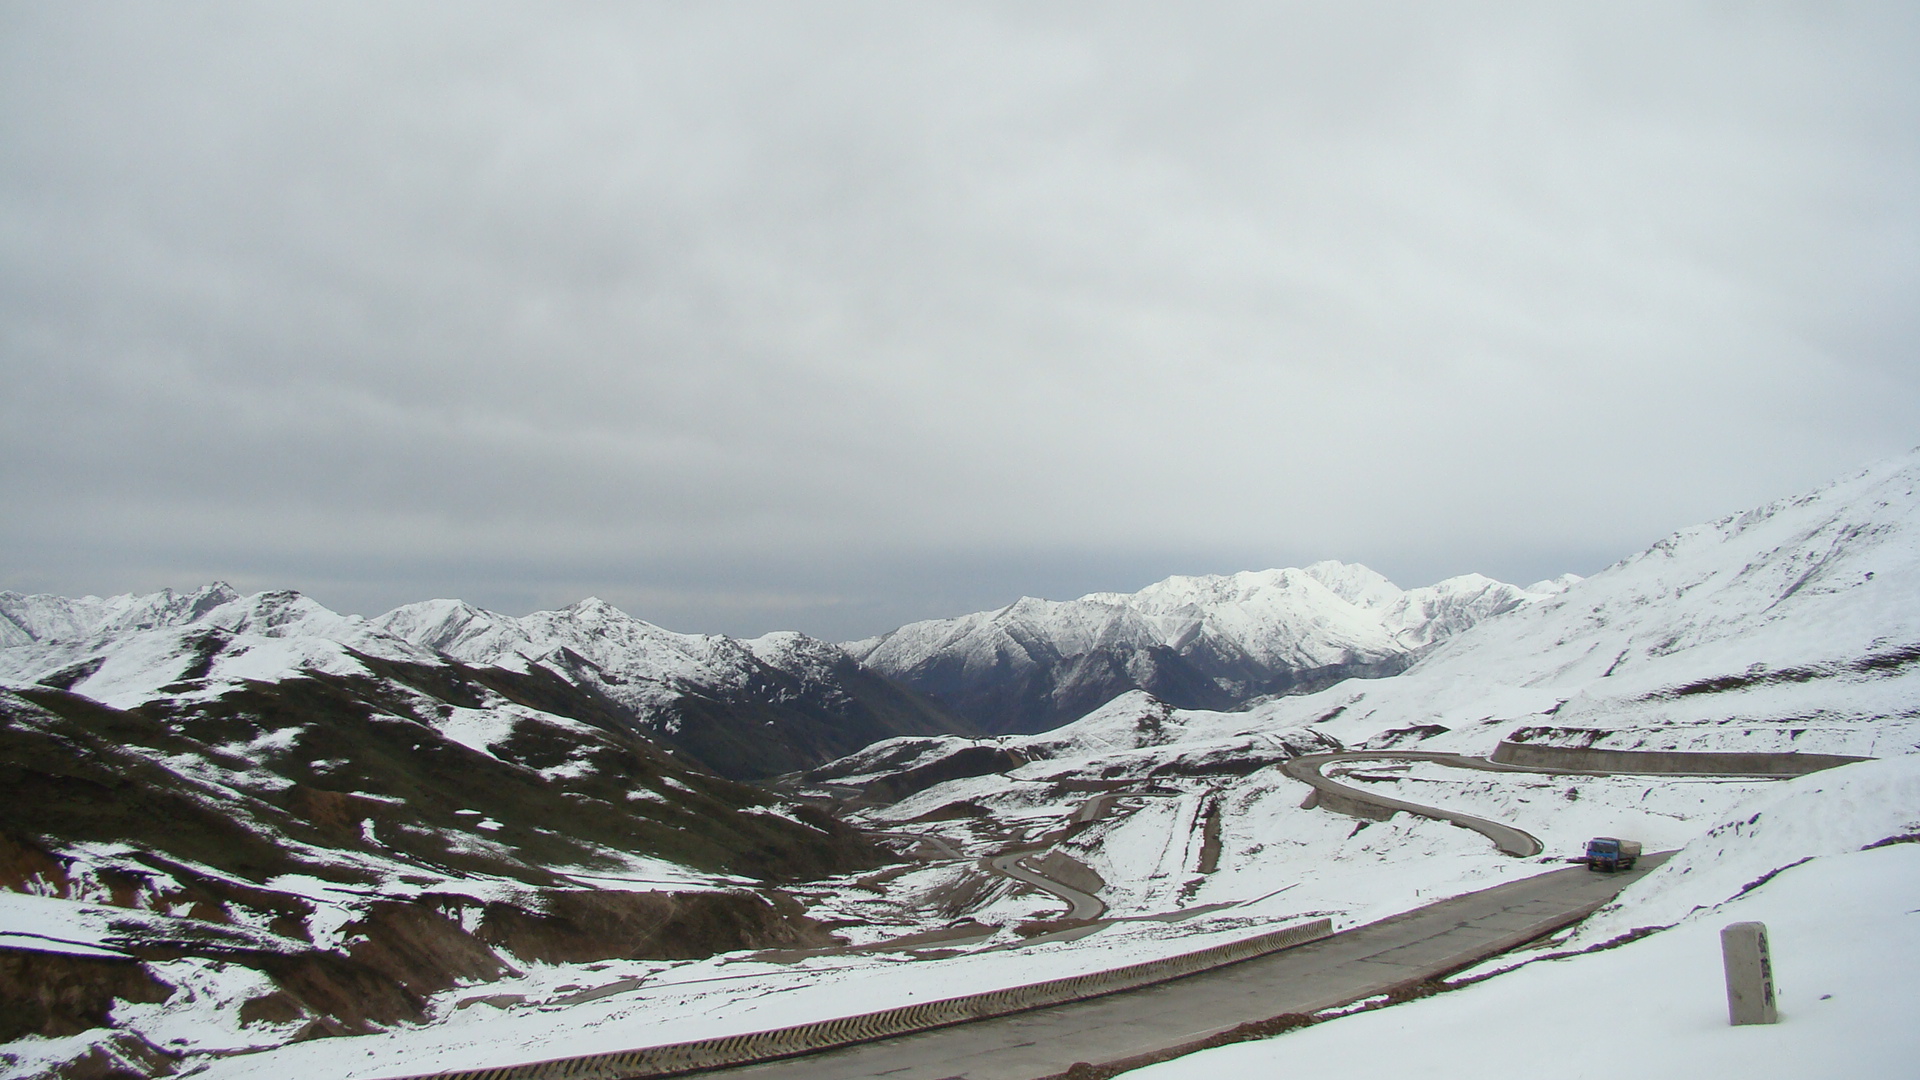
(1670, 762)
(757, 1046)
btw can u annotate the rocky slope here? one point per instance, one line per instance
(1214, 642)
(291, 824)
(747, 709)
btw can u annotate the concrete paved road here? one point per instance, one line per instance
(1082, 905)
(1333, 793)
(1349, 966)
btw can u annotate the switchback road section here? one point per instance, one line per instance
(1510, 757)
(1346, 799)
(1081, 905)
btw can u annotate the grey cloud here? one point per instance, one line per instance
(768, 316)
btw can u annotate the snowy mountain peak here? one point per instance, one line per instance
(58, 618)
(1554, 585)
(594, 608)
(1354, 583)
(1791, 626)
(448, 626)
(1200, 641)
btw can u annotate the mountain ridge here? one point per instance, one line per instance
(346, 828)
(746, 709)
(1196, 641)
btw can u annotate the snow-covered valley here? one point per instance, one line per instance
(1792, 628)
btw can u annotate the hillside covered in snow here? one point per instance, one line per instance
(1792, 628)
(334, 798)
(743, 708)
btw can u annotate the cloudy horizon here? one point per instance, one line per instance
(750, 316)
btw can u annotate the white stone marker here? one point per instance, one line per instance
(1743, 950)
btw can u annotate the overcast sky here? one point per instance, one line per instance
(832, 316)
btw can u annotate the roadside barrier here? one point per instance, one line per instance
(677, 1058)
(1668, 762)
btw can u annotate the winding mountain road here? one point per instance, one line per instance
(1137, 1026)
(1128, 1028)
(1082, 905)
(1347, 799)
(1344, 798)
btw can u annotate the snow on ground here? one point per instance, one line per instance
(1845, 944)
(672, 1003)
(1563, 811)
(1845, 941)
(36, 922)
(1795, 626)
(1285, 864)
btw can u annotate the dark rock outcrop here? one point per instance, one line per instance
(43, 993)
(580, 926)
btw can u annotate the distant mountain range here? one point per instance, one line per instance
(1793, 627)
(756, 708)
(746, 709)
(349, 822)
(1215, 642)
(318, 824)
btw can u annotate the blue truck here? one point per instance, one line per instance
(1608, 854)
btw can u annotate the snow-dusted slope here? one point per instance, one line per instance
(1792, 626)
(1199, 642)
(129, 650)
(748, 708)
(745, 708)
(204, 773)
(1810, 859)
(342, 844)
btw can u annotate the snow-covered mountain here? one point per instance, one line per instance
(748, 708)
(1792, 626)
(304, 824)
(1208, 642)
(310, 826)
(743, 708)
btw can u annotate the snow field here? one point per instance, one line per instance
(1565, 811)
(1794, 626)
(1845, 941)
(702, 999)
(1319, 863)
